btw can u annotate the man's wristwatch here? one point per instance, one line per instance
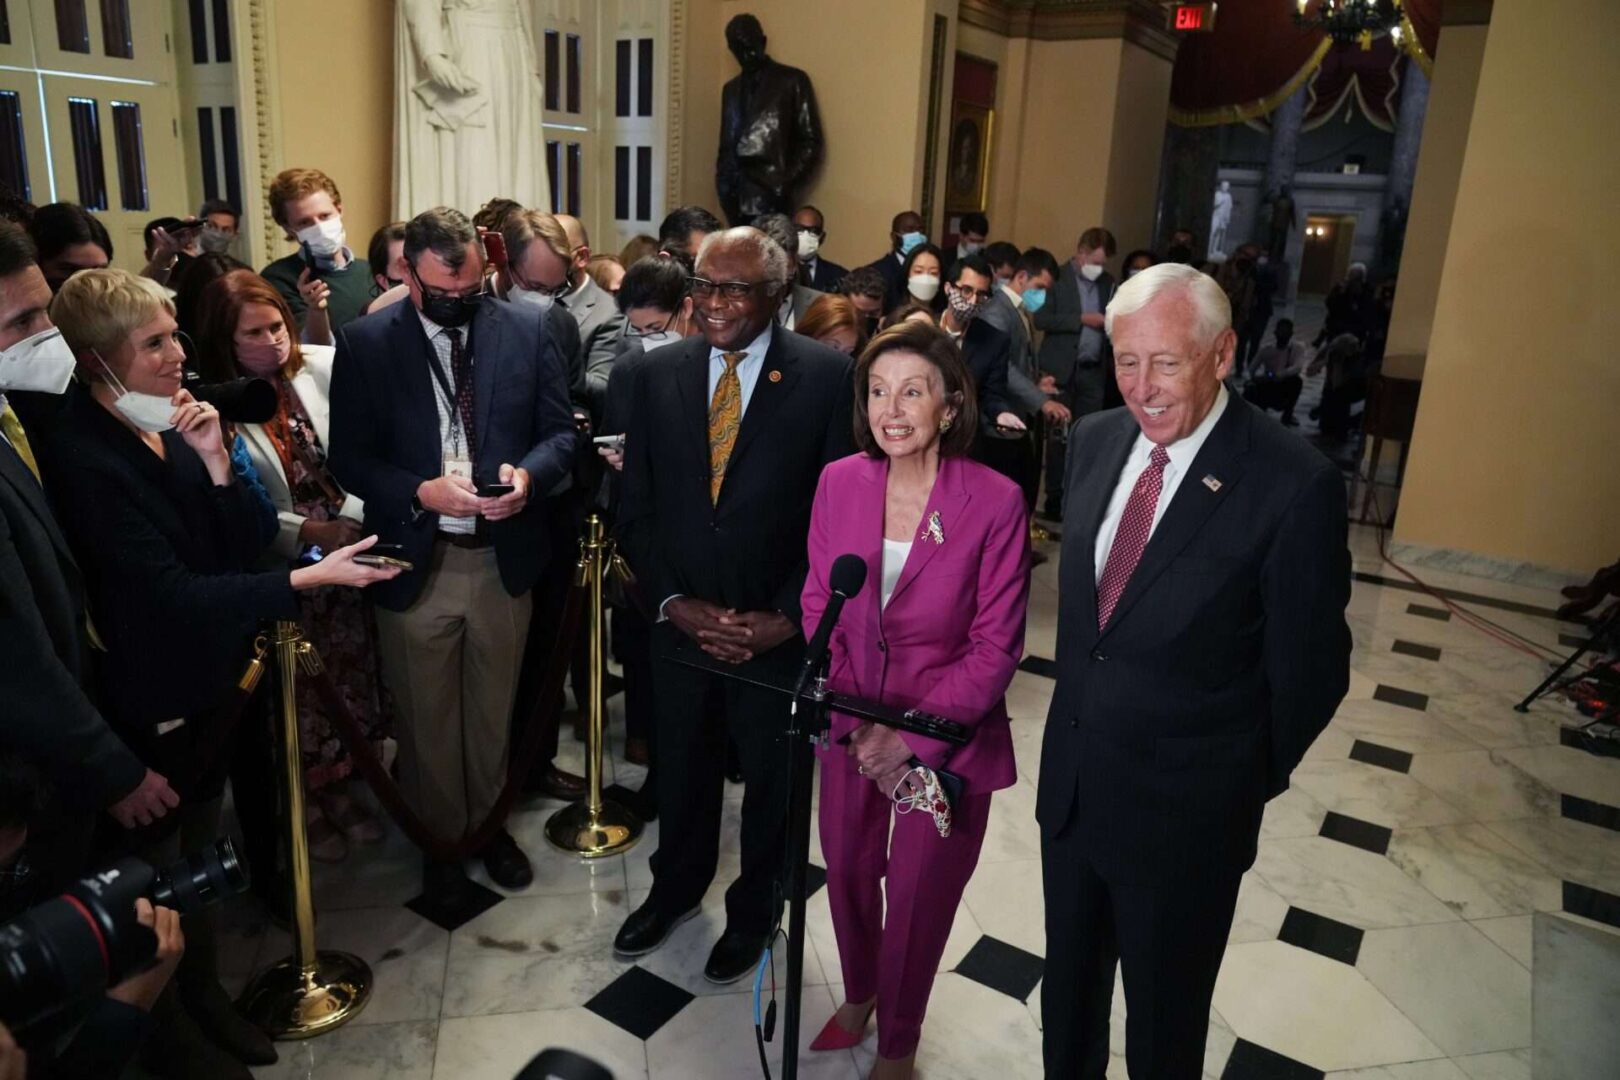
(418, 511)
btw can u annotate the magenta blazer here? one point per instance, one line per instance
(953, 633)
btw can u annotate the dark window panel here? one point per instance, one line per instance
(644, 172)
(621, 78)
(72, 26)
(554, 173)
(644, 77)
(5, 24)
(131, 153)
(88, 167)
(621, 183)
(229, 141)
(205, 146)
(573, 73)
(199, 32)
(117, 36)
(553, 69)
(13, 147)
(222, 31)
(575, 164)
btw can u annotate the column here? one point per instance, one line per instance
(1287, 120)
(1402, 166)
(1192, 158)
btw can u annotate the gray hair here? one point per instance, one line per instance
(779, 227)
(751, 241)
(444, 231)
(1208, 298)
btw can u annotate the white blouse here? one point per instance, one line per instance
(895, 553)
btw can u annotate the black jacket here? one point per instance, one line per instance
(894, 280)
(827, 275)
(385, 431)
(1059, 320)
(168, 560)
(986, 351)
(44, 682)
(1224, 659)
(748, 552)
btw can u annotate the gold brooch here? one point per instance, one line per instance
(775, 376)
(935, 533)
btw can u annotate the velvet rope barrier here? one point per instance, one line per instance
(518, 767)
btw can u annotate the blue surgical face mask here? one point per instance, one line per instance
(1034, 299)
(911, 240)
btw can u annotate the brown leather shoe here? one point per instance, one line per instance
(556, 784)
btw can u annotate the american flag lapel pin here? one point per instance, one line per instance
(1212, 483)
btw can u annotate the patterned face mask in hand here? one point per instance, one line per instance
(924, 794)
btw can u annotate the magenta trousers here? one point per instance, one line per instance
(892, 955)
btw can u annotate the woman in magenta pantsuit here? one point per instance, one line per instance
(939, 626)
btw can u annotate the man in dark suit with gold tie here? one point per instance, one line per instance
(1202, 646)
(730, 431)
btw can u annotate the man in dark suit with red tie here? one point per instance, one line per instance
(729, 433)
(1202, 646)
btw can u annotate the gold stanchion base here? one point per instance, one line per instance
(284, 1003)
(612, 831)
(1038, 533)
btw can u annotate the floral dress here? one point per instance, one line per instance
(338, 621)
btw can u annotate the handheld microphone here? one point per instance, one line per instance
(240, 401)
(847, 576)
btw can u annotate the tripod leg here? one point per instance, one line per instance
(1598, 633)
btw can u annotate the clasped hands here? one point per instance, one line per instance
(733, 636)
(882, 756)
(457, 496)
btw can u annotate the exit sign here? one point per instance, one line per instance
(1193, 18)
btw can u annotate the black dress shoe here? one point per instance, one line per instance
(733, 956)
(645, 930)
(505, 862)
(557, 784)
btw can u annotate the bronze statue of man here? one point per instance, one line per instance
(770, 131)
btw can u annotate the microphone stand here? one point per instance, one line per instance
(807, 727)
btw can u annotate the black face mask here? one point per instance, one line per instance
(452, 311)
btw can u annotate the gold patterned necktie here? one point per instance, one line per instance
(12, 428)
(725, 416)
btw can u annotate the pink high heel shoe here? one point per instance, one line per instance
(834, 1037)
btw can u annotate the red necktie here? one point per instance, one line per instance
(1134, 526)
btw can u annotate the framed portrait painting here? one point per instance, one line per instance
(967, 172)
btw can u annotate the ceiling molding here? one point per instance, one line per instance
(1142, 22)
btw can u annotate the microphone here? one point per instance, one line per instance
(847, 576)
(240, 401)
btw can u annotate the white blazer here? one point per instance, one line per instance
(313, 385)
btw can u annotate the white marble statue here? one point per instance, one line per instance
(1220, 220)
(467, 106)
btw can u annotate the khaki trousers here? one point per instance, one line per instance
(451, 660)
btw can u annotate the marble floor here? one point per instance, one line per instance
(1384, 932)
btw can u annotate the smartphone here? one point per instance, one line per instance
(393, 551)
(366, 558)
(308, 257)
(494, 249)
(188, 227)
(495, 491)
(615, 441)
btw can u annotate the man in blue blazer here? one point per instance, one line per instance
(448, 414)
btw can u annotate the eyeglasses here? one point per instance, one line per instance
(436, 294)
(632, 332)
(971, 293)
(703, 288)
(556, 292)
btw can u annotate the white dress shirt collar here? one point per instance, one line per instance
(1016, 297)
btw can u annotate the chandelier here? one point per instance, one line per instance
(1346, 21)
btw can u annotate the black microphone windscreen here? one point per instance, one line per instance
(240, 401)
(848, 574)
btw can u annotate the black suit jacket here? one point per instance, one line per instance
(986, 351)
(49, 719)
(894, 280)
(169, 561)
(749, 551)
(1225, 657)
(385, 431)
(1059, 320)
(827, 275)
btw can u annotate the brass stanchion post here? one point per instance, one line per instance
(594, 827)
(309, 992)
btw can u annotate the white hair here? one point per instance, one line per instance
(1208, 298)
(756, 243)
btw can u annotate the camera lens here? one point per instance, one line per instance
(202, 878)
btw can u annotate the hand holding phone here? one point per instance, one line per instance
(615, 441)
(495, 491)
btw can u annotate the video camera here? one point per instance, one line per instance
(63, 954)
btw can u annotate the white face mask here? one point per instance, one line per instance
(649, 342)
(923, 286)
(325, 238)
(970, 247)
(42, 362)
(809, 244)
(149, 412)
(1091, 271)
(519, 295)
